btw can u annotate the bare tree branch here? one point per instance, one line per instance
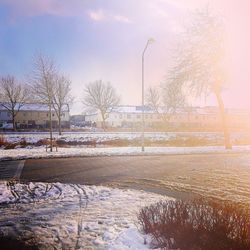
(153, 99)
(199, 61)
(12, 96)
(42, 84)
(102, 97)
(62, 97)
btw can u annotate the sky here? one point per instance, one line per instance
(92, 40)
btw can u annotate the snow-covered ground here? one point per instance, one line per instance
(100, 137)
(67, 216)
(40, 152)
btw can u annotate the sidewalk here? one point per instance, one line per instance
(40, 152)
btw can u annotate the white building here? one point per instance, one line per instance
(34, 115)
(207, 117)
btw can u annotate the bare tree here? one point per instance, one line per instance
(101, 97)
(173, 98)
(165, 100)
(62, 97)
(199, 63)
(153, 99)
(42, 85)
(12, 96)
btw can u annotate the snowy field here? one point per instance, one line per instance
(67, 216)
(40, 152)
(100, 137)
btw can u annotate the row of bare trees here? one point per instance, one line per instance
(45, 85)
(198, 70)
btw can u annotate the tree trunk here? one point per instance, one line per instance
(13, 123)
(103, 122)
(59, 125)
(227, 140)
(50, 127)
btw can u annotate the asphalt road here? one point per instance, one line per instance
(10, 170)
(224, 176)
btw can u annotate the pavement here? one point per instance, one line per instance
(10, 170)
(225, 176)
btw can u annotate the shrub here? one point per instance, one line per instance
(9, 243)
(197, 225)
(2, 140)
(41, 142)
(10, 145)
(23, 143)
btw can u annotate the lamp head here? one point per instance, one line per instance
(151, 40)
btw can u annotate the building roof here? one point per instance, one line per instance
(35, 107)
(194, 110)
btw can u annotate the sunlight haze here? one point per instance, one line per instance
(93, 40)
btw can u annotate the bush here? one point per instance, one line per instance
(10, 145)
(9, 243)
(197, 225)
(41, 142)
(23, 143)
(2, 141)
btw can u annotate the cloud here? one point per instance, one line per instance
(97, 15)
(103, 15)
(30, 8)
(122, 19)
(63, 8)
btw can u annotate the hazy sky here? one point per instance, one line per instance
(93, 40)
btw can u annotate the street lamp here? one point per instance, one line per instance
(150, 41)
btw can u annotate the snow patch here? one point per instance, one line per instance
(74, 216)
(40, 152)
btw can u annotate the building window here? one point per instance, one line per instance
(138, 116)
(120, 116)
(128, 116)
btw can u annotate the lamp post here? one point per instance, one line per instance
(150, 41)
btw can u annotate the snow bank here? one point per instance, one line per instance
(67, 216)
(100, 137)
(40, 152)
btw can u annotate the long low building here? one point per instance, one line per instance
(199, 117)
(35, 115)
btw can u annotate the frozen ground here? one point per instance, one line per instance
(40, 152)
(100, 137)
(67, 216)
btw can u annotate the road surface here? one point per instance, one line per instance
(225, 176)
